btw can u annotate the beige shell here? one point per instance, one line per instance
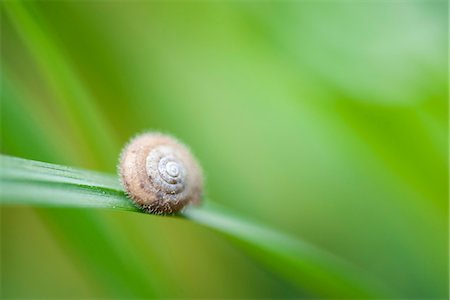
(160, 174)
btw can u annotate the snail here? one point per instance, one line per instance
(159, 174)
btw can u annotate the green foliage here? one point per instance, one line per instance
(26, 182)
(43, 184)
(327, 120)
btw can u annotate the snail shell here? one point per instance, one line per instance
(160, 174)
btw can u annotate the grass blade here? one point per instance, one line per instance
(25, 182)
(42, 184)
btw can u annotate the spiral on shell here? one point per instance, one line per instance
(160, 174)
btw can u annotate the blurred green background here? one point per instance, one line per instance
(325, 119)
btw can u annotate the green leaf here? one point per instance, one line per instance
(26, 182)
(43, 184)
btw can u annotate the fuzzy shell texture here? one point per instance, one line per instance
(160, 174)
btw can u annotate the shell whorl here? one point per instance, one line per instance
(159, 174)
